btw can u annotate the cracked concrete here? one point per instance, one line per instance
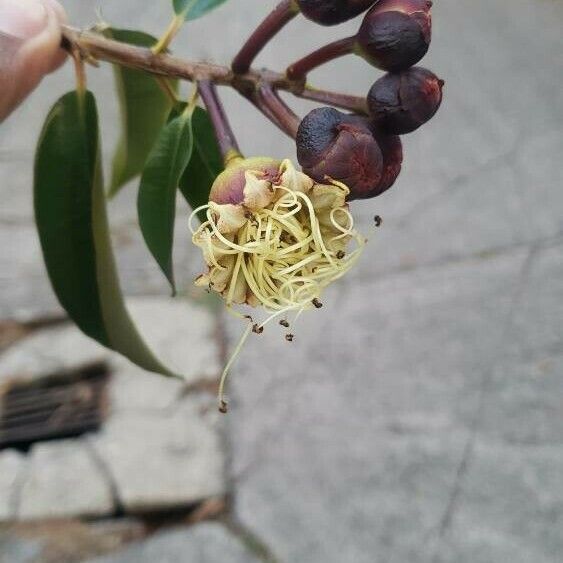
(203, 543)
(488, 374)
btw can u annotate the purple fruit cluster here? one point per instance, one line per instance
(365, 152)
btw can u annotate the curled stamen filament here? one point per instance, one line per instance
(281, 258)
(224, 375)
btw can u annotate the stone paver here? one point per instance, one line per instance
(12, 466)
(204, 543)
(16, 550)
(63, 480)
(158, 449)
(52, 351)
(167, 325)
(163, 461)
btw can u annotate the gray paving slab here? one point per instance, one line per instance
(63, 480)
(524, 403)
(510, 480)
(346, 443)
(17, 550)
(204, 543)
(159, 448)
(509, 507)
(166, 325)
(163, 461)
(12, 470)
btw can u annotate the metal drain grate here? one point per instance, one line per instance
(60, 406)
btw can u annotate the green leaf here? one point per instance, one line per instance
(144, 108)
(193, 9)
(156, 204)
(73, 229)
(205, 165)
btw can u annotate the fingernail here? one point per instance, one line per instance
(22, 18)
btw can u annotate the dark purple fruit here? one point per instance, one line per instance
(418, 9)
(401, 102)
(331, 144)
(333, 12)
(395, 39)
(392, 150)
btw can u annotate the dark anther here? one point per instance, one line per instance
(340, 254)
(286, 238)
(223, 407)
(378, 220)
(317, 303)
(256, 329)
(289, 337)
(284, 323)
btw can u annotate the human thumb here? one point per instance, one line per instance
(30, 37)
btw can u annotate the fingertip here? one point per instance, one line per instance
(37, 48)
(43, 54)
(57, 9)
(58, 18)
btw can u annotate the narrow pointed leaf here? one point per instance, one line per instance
(193, 9)
(156, 203)
(144, 108)
(73, 229)
(205, 165)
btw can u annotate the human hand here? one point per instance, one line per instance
(30, 39)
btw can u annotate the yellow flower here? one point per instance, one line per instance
(274, 239)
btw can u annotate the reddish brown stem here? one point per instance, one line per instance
(264, 110)
(282, 14)
(355, 104)
(93, 46)
(223, 131)
(299, 69)
(271, 104)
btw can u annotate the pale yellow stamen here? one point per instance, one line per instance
(285, 256)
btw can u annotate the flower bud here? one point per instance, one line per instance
(400, 103)
(395, 34)
(332, 12)
(392, 151)
(331, 144)
(229, 186)
(418, 9)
